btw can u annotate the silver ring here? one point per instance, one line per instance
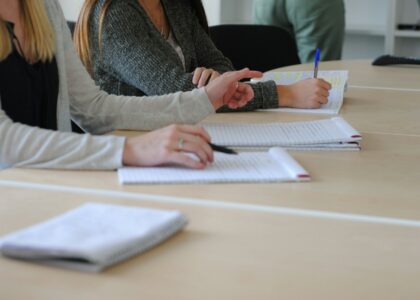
(180, 143)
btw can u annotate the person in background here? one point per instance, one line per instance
(313, 23)
(418, 1)
(154, 47)
(43, 84)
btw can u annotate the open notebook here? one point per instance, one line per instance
(338, 80)
(93, 236)
(273, 166)
(327, 134)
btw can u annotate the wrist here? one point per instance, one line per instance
(127, 152)
(284, 97)
(216, 103)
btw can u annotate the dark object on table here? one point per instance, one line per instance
(409, 27)
(386, 60)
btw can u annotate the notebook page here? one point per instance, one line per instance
(345, 127)
(291, 166)
(245, 167)
(98, 233)
(337, 79)
(281, 134)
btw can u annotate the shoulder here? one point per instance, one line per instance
(52, 5)
(121, 15)
(56, 16)
(115, 7)
(120, 6)
(127, 10)
(53, 9)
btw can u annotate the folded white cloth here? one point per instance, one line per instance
(93, 236)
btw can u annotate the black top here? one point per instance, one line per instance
(29, 92)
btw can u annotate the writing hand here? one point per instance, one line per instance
(308, 93)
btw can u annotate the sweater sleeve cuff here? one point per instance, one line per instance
(201, 93)
(112, 148)
(267, 93)
(119, 145)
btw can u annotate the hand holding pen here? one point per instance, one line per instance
(309, 93)
(169, 145)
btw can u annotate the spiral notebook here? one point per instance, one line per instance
(93, 236)
(326, 134)
(276, 165)
(338, 80)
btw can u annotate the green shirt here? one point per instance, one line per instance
(313, 23)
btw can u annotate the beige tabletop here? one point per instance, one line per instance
(224, 253)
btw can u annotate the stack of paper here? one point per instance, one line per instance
(328, 134)
(274, 166)
(337, 79)
(93, 236)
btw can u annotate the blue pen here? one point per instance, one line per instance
(317, 57)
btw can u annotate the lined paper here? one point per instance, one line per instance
(273, 166)
(323, 133)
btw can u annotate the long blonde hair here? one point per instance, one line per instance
(82, 31)
(38, 32)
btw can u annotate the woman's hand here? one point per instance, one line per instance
(227, 90)
(203, 76)
(169, 146)
(308, 93)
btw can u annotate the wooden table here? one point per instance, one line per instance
(225, 254)
(339, 236)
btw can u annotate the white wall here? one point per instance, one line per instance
(212, 8)
(231, 14)
(229, 11)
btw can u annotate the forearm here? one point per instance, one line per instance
(30, 147)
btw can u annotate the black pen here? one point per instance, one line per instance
(222, 149)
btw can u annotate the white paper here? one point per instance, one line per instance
(245, 167)
(338, 80)
(93, 236)
(292, 134)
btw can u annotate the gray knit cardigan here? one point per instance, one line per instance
(93, 110)
(134, 58)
